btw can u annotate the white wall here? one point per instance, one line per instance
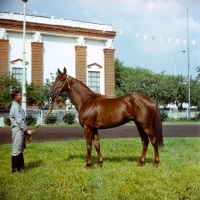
(59, 52)
(16, 49)
(95, 54)
(59, 49)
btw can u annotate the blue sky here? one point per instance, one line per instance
(149, 32)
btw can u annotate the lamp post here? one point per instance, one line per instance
(175, 61)
(24, 60)
(175, 107)
(188, 47)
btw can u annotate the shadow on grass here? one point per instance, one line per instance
(34, 164)
(114, 159)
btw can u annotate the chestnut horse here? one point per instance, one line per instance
(98, 112)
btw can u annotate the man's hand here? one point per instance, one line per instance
(29, 134)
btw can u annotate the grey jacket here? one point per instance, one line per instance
(17, 117)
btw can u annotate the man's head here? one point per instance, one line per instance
(16, 95)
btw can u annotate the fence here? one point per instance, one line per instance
(173, 114)
(40, 115)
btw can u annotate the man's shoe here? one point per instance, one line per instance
(22, 169)
(15, 170)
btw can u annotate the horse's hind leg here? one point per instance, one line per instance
(156, 154)
(151, 135)
(97, 147)
(145, 143)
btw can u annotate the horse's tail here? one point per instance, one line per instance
(157, 127)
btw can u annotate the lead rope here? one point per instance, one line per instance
(50, 103)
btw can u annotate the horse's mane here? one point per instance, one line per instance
(80, 83)
(84, 87)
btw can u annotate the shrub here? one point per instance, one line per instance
(198, 116)
(7, 121)
(30, 120)
(164, 115)
(69, 118)
(52, 119)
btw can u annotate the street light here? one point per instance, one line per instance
(24, 60)
(175, 73)
(175, 61)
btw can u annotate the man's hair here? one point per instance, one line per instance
(15, 93)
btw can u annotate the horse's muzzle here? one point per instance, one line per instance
(52, 94)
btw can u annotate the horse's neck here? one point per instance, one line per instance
(78, 92)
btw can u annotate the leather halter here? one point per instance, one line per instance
(66, 80)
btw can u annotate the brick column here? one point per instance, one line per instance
(81, 74)
(37, 62)
(109, 64)
(4, 56)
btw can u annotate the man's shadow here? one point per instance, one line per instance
(34, 164)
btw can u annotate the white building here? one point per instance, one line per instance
(85, 49)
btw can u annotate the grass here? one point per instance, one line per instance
(55, 171)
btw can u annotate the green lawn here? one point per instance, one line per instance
(55, 171)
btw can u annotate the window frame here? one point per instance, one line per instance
(94, 80)
(19, 74)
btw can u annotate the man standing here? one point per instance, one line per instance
(19, 132)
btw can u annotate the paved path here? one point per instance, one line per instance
(59, 133)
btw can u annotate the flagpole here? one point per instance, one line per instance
(188, 69)
(24, 61)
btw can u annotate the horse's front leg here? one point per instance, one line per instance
(97, 147)
(89, 136)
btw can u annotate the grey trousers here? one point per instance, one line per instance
(18, 142)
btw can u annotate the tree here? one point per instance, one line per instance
(7, 84)
(181, 91)
(198, 69)
(38, 95)
(195, 93)
(165, 89)
(118, 77)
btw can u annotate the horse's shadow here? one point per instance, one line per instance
(114, 159)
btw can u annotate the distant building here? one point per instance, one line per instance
(85, 49)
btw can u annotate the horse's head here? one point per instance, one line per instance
(61, 84)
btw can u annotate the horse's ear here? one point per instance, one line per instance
(59, 71)
(65, 70)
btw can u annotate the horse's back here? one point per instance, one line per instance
(105, 112)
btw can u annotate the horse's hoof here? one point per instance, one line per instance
(85, 168)
(87, 165)
(99, 165)
(155, 166)
(140, 164)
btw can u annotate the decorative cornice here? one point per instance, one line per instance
(17, 60)
(94, 64)
(106, 50)
(4, 40)
(39, 44)
(58, 29)
(77, 47)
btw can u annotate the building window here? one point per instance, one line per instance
(18, 74)
(94, 81)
